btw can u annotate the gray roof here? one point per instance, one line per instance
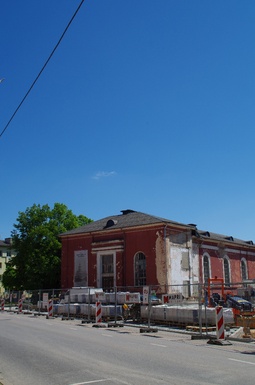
(219, 237)
(128, 218)
(131, 218)
(4, 244)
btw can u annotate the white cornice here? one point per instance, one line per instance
(227, 250)
(109, 248)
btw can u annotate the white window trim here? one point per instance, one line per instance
(139, 252)
(246, 268)
(99, 266)
(229, 267)
(209, 263)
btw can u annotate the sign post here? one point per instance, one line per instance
(147, 301)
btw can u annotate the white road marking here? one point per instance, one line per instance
(73, 328)
(92, 382)
(106, 335)
(243, 362)
(162, 346)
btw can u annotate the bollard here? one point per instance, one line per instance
(98, 312)
(220, 330)
(219, 323)
(2, 304)
(20, 305)
(50, 308)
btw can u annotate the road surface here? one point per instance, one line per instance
(40, 351)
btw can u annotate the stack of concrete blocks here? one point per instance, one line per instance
(185, 315)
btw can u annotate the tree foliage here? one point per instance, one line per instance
(37, 264)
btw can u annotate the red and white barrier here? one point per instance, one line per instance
(20, 305)
(220, 332)
(2, 304)
(98, 312)
(50, 308)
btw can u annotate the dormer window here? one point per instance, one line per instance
(110, 223)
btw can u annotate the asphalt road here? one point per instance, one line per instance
(40, 351)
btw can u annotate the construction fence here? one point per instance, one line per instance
(178, 305)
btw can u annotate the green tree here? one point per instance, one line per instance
(37, 264)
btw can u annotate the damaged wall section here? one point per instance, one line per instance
(182, 264)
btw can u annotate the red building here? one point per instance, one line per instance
(137, 249)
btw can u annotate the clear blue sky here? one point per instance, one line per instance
(146, 105)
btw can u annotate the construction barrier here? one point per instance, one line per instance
(179, 305)
(220, 333)
(2, 304)
(98, 312)
(50, 308)
(20, 305)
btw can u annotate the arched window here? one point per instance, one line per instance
(226, 270)
(206, 268)
(140, 269)
(244, 273)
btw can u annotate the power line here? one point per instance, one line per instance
(47, 61)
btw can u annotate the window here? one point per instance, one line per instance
(0, 265)
(8, 254)
(140, 269)
(226, 271)
(107, 269)
(107, 264)
(244, 274)
(206, 268)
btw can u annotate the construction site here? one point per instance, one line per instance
(148, 307)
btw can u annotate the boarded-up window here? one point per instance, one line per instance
(81, 268)
(185, 260)
(186, 289)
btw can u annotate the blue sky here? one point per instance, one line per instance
(146, 105)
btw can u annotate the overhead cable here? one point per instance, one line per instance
(47, 61)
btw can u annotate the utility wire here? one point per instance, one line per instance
(47, 61)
